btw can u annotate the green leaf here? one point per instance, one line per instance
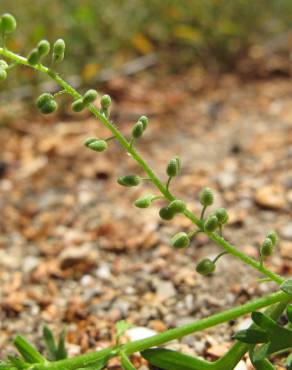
(263, 321)
(61, 350)
(252, 336)
(287, 286)
(50, 343)
(98, 365)
(27, 350)
(289, 313)
(121, 327)
(126, 363)
(172, 360)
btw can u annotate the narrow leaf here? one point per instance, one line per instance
(263, 321)
(50, 343)
(172, 360)
(252, 336)
(126, 363)
(61, 351)
(27, 350)
(289, 313)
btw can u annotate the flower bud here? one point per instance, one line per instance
(33, 57)
(7, 23)
(89, 140)
(105, 101)
(267, 248)
(78, 105)
(211, 223)
(58, 51)
(89, 96)
(3, 74)
(177, 206)
(166, 214)
(206, 197)
(221, 215)
(205, 267)
(144, 202)
(44, 48)
(273, 236)
(3, 64)
(49, 107)
(129, 180)
(173, 167)
(137, 130)
(98, 145)
(180, 240)
(144, 121)
(43, 99)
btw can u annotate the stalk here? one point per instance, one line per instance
(137, 157)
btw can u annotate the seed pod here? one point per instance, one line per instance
(211, 223)
(78, 105)
(90, 96)
(7, 23)
(105, 101)
(206, 197)
(3, 64)
(144, 202)
(89, 140)
(177, 206)
(173, 167)
(273, 236)
(205, 267)
(267, 248)
(144, 121)
(44, 48)
(137, 130)
(180, 240)
(49, 107)
(221, 215)
(34, 57)
(58, 51)
(129, 180)
(43, 99)
(3, 74)
(98, 145)
(166, 214)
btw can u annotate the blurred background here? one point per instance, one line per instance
(214, 77)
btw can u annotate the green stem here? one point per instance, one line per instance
(136, 156)
(205, 323)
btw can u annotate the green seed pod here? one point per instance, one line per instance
(98, 145)
(105, 101)
(177, 206)
(137, 130)
(89, 140)
(44, 48)
(7, 23)
(43, 99)
(89, 96)
(267, 248)
(205, 267)
(180, 240)
(3, 74)
(221, 215)
(273, 236)
(173, 167)
(144, 121)
(206, 197)
(166, 214)
(144, 202)
(34, 57)
(49, 107)
(58, 51)
(3, 64)
(129, 180)
(78, 105)
(211, 223)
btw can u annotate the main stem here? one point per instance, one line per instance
(136, 156)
